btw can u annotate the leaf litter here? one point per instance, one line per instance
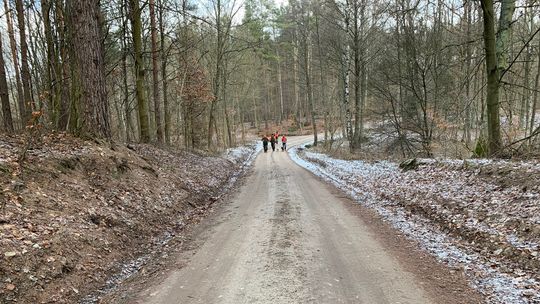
(79, 216)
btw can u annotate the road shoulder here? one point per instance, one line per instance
(442, 284)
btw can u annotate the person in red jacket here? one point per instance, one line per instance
(283, 142)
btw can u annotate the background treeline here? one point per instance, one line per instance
(429, 76)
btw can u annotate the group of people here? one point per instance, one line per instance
(273, 139)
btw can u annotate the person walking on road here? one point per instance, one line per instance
(273, 142)
(265, 143)
(283, 143)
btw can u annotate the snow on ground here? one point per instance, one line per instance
(460, 212)
(245, 154)
(242, 155)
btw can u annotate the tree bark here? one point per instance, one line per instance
(25, 70)
(297, 103)
(307, 71)
(226, 114)
(90, 57)
(492, 71)
(166, 110)
(127, 108)
(217, 75)
(323, 88)
(306, 46)
(64, 84)
(155, 68)
(503, 35)
(526, 97)
(468, 62)
(4, 94)
(142, 103)
(15, 58)
(36, 81)
(347, 77)
(53, 94)
(280, 79)
(280, 82)
(359, 72)
(535, 95)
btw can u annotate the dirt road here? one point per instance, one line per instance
(286, 237)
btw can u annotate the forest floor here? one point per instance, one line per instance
(479, 217)
(80, 216)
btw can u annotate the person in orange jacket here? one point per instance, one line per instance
(283, 142)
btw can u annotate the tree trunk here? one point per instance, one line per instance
(347, 78)
(255, 117)
(241, 113)
(468, 63)
(494, 131)
(296, 84)
(217, 75)
(280, 82)
(127, 107)
(63, 70)
(90, 57)
(307, 67)
(166, 110)
(535, 95)
(525, 97)
(526, 102)
(227, 128)
(15, 58)
(50, 79)
(503, 35)
(155, 68)
(322, 89)
(28, 103)
(280, 79)
(355, 144)
(36, 81)
(359, 72)
(142, 103)
(4, 94)
(267, 98)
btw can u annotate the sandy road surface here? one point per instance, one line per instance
(286, 238)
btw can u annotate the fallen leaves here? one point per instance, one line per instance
(10, 254)
(75, 210)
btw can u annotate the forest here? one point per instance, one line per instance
(430, 76)
(131, 168)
